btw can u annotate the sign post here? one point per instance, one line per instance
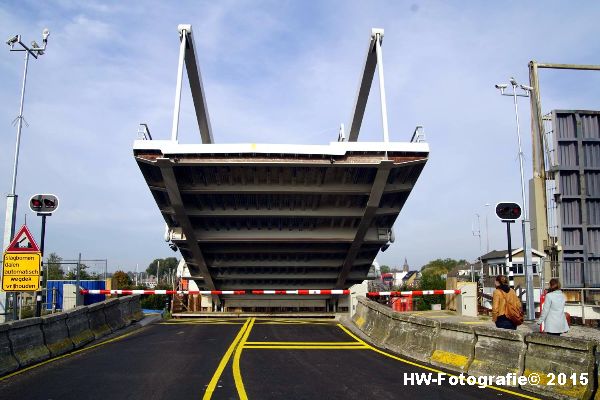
(509, 213)
(44, 205)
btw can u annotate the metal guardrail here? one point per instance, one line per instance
(582, 299)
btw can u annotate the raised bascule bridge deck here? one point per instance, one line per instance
(274, 216)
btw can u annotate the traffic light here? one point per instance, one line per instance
(508, 211)
(43, 203)
(36, 204)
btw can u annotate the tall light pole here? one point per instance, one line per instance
(487, 231)
(11, 199)
(526, 90)
(476, 233)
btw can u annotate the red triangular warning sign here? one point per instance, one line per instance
(23, 242)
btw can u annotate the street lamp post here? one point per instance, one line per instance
(487, 231)
(476, 233)
(525, 223)
(11, 199)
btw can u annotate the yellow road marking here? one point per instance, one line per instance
(293, 323)
(203, 320)
(305, 343)
(68, 354)
(299, 347)
(237, 374)
(215, 378)
(201, 323)
(429, 368)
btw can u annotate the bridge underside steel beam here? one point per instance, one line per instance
(277, 216)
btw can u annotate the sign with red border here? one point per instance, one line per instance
(23, 242)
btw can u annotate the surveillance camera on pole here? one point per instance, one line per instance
(11, 199)
(15, 39)
(525, 223)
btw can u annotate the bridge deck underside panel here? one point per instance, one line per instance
(284, 221)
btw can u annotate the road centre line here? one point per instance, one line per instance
(237, 374)
(215, 378)
(524, 396)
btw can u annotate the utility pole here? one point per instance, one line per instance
(11, 199)
(157, 272)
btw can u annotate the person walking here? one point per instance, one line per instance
(553, 312)
(499, 301)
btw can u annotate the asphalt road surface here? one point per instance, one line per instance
(238, 359)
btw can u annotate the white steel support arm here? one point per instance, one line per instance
(384, 121)
(187, 55)
(374, 59)
(175, 128)
(363, 91)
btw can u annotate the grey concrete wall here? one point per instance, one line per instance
(56, 334)
(79, 327)
(8, 362)
(498, 352)
(136, 308)
(454, 347)
(112, 313)
(97, 320)
(548, 355)
(29, 341)
(125, 310)
(480, 351)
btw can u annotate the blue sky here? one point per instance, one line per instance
(281, 72)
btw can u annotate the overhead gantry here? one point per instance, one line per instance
(273, 216)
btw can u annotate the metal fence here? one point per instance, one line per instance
(583, 303)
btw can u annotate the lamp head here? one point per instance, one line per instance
(45, 34)
(501, 86)
(513, 81)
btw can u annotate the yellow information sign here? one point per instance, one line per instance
(21, 272)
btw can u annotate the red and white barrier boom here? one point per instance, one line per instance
(301, 292)
(412, 293)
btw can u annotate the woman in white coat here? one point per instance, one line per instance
(553, 312)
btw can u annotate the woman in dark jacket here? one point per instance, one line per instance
(499, 303)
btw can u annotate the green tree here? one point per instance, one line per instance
(166, 265)
(155, 301)
(384, 269)
(431, 281)
(55, 271)
(120, 280)
(441, 266)
(84, 275)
